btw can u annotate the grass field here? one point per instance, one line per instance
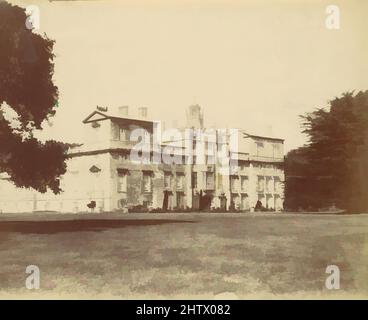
(183, 255)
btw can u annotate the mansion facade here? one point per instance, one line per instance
(101, 171)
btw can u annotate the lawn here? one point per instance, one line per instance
(183, 255)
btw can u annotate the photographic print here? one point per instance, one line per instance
(188, 149)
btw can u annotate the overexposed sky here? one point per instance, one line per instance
(255, 65)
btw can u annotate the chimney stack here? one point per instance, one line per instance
(142, 112)
(123, 111)
(194, 117)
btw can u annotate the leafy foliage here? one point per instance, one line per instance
(333, 167)
(26, 71)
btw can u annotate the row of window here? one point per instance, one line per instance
(237, 183)
(268, 184)
(264, 184)
(207, 160)
(209, 180)
(147, 181)
(262, 151)
(123, 134)
(123, 182)
(168, 181)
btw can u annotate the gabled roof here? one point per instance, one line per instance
(99, 116)
(92, 117)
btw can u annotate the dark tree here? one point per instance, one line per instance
(26, 86)
(333, 167)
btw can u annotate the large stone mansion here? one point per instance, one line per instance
(101, 171)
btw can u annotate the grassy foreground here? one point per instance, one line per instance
(183, 255)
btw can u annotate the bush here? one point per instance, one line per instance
(137, 209)
(158, 210)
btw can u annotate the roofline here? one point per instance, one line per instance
(261, 137)
(87, 120)
(132, 119)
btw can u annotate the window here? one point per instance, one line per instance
(210, 180)
(210, 147)
(179, 181)
(147, 182)
(124, 134)
(269, 184)
(219, 181)
(244, 202)
(180, 200)
(194, 180)
(115, 131)
(143, 112)
(260, 184)
(167, 180)
(276, 149)
(122, 182)
(210, 159)
(277, 184)
(194, 143)
(234, 183)
(244, 166)
(260, 147)
(244, 183)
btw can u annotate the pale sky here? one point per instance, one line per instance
(255, 65)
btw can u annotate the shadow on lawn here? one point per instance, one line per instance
(97, 225)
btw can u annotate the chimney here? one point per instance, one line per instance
(142, 112)
(194, 117)
(123, 111)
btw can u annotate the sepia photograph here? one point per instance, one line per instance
(183, 150)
